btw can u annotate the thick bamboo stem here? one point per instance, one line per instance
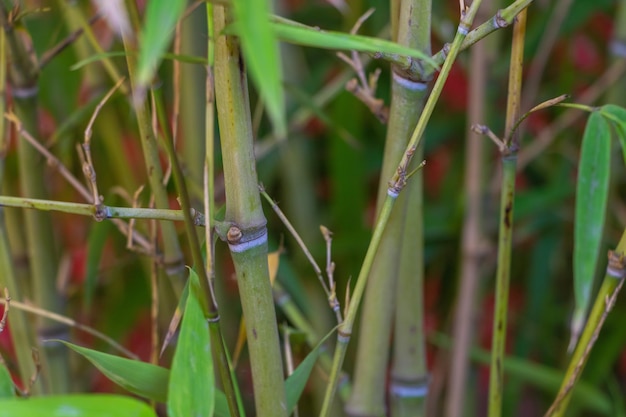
(247, 233)
(22, 334)
(396, 185)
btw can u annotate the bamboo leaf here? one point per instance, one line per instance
(315, 37)
(591, 200)
(294, 385)
(140, 378)
(260, 50)
(76, 406)
(7, 390)
(158, 29)
(617, 115)
(192, 382)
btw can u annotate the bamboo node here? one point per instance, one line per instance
(616, 267)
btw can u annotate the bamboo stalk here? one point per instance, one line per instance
(509, 163)
(247, 233)
(369, 384)
(23, 77)
(173, 259)
(22, 335)
(605, 301)
(396, 185)
(409, 375)
(101, 212)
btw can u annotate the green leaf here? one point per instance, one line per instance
(141, 378)
(591, 200)
(307, 36)
(294, 385)
(158, 29)
(76, 406)
(7, 390)
(262, 57)
(192, 381)
(617, 115)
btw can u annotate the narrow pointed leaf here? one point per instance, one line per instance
(315, 37)
(591, 200)
(295, 384)
(617, 115)
(192, 381)
(76, 406)
(7, 390)
(262, 57)
(158, 29)
(141, 378)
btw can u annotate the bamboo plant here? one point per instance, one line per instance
(153, 108)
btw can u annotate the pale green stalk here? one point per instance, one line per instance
(396, 185)
(605, 300)
(101, 212)
(22, 336)
(244, 218)
(408, 94)
(509, 163)
(409, 375)
(173, 260)
(43, 257)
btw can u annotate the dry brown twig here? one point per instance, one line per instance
(70, 322)
(364, 87)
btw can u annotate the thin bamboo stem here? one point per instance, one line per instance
(604, 303)
(101, 212)
(507, 197)
(172, 254)
(247, 233)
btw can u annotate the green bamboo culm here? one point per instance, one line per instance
(605, 300)
(22, 334)
(395, 278)
(397, 183)
(42, 253)
(509, 163)
(246, 232)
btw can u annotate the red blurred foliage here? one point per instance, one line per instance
(437, 165)
(454, 94)
(585, 54)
